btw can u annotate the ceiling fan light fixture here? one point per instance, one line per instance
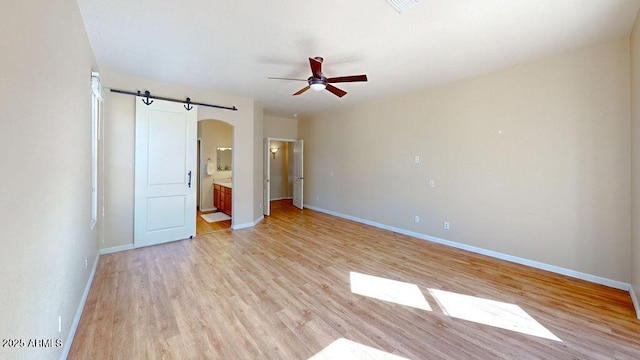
(318, 86)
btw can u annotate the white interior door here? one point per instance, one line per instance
(165, 178)
(298, 174)
(266, 178)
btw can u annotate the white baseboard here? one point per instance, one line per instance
(281, 198)
(211, 209)
(634, 299)
(76, 319)
(114, 249)
(247, 225)
(535, 264)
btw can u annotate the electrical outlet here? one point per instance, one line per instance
(86, 263)
(432, 183)
(417, 159)
(416, 219)
(446, 225)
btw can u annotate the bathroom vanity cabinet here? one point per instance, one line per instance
(222, 197)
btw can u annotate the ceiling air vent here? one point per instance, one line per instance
(403, 5)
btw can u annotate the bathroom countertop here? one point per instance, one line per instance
(225, 184)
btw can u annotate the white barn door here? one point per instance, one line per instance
(165, 173)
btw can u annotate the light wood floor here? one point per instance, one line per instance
(204, 227)
(281, 290)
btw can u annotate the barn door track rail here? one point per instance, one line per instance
(146, 99)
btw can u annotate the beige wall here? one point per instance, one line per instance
(119, 168)
(531, 161)
(635, 158)
(119, 151)
(45, 139)
(280, 127)
(258, 167)
(213, 134)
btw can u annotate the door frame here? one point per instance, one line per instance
(266, 206)
(202, 162)
(298, 173)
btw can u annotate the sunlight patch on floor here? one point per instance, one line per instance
(343, 349)
(398, 292)
(489, 312)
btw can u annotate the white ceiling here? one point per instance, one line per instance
(231, 47)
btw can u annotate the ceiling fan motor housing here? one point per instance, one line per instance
(317, 84)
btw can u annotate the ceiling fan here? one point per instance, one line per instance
(319, 82)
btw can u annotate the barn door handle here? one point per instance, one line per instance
(189, 183)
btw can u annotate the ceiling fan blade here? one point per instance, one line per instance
(302, 90)
(352, 78)
(335, 91)
(279, 78)
(316, 66)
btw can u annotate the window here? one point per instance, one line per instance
(96, 110)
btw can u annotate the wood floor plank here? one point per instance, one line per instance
(281, 290)
(204, 227)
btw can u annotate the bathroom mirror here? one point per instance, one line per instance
(224, 158)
